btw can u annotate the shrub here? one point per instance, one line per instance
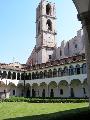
(46, 100)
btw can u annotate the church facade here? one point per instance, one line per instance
(50, 71)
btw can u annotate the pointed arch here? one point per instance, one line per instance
(48, 9)
(49, 25)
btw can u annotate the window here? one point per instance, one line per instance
(50, 57)
(48, 9)
(84, 70)
(61, 91)
(75, 45)
(84, 91)
(60, 53)
(49, 25)
(14, 75)
(13, 92)
(77, 69)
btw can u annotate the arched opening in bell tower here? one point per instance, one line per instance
(48, 9)
(49, 25)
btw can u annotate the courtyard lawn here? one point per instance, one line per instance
(37, 111)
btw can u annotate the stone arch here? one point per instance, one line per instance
(43, 90)
(22, 76)
(35, 90)
(77, 69)
(45, 74)
(63, 82)
(65, 71)
(52, 89)
(49, 24)
(4, 74)
(29, 76)
(20, 85)
(54, 72)
(14, 75)
(48, 9)
(11, 84)
(63, 89)
(41, 75)
(20, 89)
(9, 75)
(27, 90)
(37, 75)
(84, 71)
(18, 76)
(60, 72)
(33, 75)
(76, 88)
(49, 73)
(75, 81)
(71, 70)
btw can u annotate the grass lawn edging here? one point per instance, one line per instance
(45, 100)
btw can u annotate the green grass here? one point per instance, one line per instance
(34, 111)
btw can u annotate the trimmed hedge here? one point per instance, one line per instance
(46, 100)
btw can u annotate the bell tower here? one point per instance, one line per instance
(45, 31)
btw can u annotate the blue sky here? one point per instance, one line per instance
(17, 27)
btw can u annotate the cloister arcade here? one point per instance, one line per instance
(47, 73)
(64, 80)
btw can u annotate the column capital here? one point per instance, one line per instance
(84, 18)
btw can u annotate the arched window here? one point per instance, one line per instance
(60, 72)
(37, 75)
(14, 75)
(45, 74)
(41, 74)
(71, 70)
(22, 76)
(9, 75)
(55, 73)
(49, 25)
(26, 76)
(29, 76)
(84, 71)
(4, 74)
(50, 73)
(66, 71)
(18, 76)
(48, 9)
(33, 76)
(77, 69)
